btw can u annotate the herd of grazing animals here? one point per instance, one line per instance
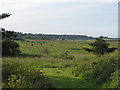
(33, 44)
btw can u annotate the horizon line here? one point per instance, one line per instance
(66, 34)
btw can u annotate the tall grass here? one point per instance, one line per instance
(36, 68)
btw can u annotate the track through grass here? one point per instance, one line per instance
(63, 78)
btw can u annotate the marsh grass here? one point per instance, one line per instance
(49, 70)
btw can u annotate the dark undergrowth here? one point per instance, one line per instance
(16, 75)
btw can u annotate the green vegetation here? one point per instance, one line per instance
(22, 36)
(16, 75)
(100, 47)
(101, 72)
(44, 66)
(61, 63)
(10, 47)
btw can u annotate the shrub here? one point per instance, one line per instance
(16, 75)
(81, 69)
(10, 48)
(100, 72)
(114, 80)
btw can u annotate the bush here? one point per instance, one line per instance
(16, 75)
(10, 48)
(114, 80)
(100, 72)
(81, 69)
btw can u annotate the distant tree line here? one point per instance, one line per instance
(52, 36)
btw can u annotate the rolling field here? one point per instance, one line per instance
(52, 61)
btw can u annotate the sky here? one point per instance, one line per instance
(83, 17)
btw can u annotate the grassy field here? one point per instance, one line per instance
(47, 58)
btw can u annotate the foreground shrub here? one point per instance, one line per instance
(81, 69)
(114, 80)
(10, 48)
(100, 72)
(23, 76)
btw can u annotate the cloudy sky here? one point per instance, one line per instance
(93, 18)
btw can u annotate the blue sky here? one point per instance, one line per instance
(83, 18)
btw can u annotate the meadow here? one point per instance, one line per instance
(50, 64)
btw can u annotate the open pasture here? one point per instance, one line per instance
(55, 60)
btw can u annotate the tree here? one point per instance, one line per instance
(63, 39)
(4, 15)
(100, 47)
(8, 35)
(9, 47)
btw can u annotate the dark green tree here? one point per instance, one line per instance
(63, 39)
(100, 47)
(4, 15)
(8, 35)
(9, 46)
